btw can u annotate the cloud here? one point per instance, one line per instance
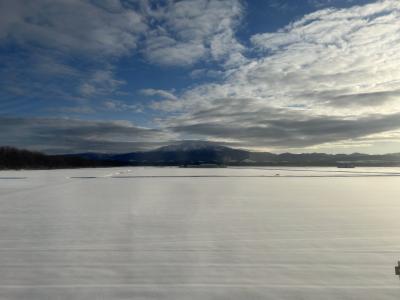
(343, 99)
(173, 33)
(328, 77)
(72, 26)
(71, 136)
(172, 53)
(278, 128)
(166, 105)
(120, 106)
(60, 50)
(167, 101)
(160, 93)
(192, 30)
(36, 74)
(68, 49)
(282, 5)
(100, 82)
(204, 73)
(341, 52)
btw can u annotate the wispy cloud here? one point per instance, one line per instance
(159, 93)
(119, 106)
(192, 30)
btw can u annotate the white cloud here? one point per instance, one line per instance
(166, 105)
(174, 53)
(335, 68)
(332, 54)
(203, 73)
(190, 30)
(160, 93)
(119, 106)
(100, 82)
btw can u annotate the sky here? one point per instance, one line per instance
(264, 75)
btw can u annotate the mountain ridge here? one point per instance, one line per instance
(194, 152)
(190, 153)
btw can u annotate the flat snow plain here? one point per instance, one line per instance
(171, 233)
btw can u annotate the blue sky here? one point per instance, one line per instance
(270, 75)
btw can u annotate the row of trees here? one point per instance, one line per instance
(13, 158)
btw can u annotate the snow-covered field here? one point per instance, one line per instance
(170, 233)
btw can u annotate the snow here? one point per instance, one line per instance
(175, 233)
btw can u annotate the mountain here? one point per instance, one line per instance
(203, 152)
(186, 146)
(186, 153)
(190, 153)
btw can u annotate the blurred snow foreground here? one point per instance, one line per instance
(170, 233)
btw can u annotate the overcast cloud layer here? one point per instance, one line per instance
(327, 81)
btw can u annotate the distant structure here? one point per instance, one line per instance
(345, 164)
(397, 269)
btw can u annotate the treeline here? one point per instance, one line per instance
(13, 158)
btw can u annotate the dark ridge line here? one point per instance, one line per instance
(13, 177)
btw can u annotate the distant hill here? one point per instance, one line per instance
(188, 153)
(202, 152)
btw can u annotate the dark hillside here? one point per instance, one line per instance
(13, 158)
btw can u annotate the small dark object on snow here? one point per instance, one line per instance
(397, 269)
